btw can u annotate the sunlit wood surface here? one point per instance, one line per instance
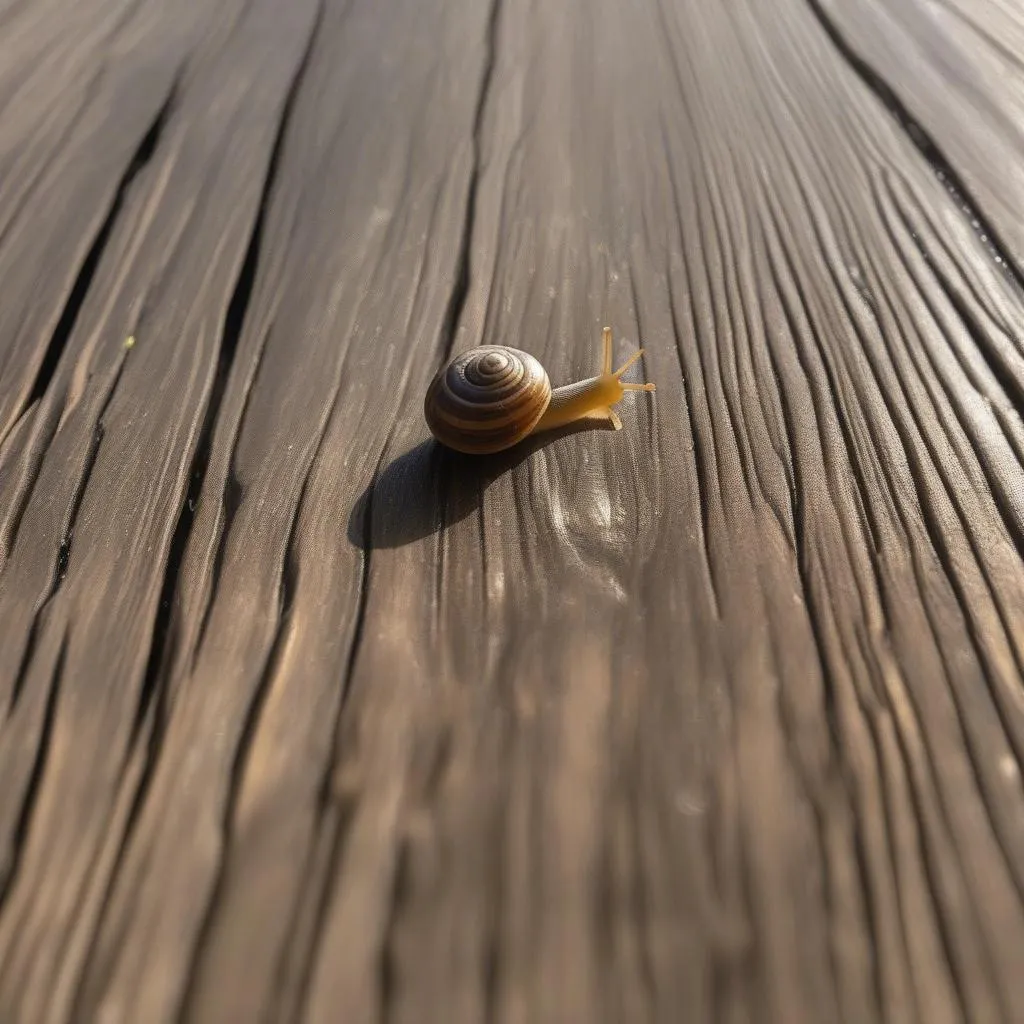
(719, 717)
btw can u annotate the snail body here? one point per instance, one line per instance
(492, 397)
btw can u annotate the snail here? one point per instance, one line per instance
(489, 398)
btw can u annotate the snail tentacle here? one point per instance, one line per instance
(593, 398)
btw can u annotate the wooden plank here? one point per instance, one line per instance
(79, 106)
(716, 717)
(810, 680)
(870, 810)
(358, 261)
(166, 277)
(951, 73)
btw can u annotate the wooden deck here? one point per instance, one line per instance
(716, 718)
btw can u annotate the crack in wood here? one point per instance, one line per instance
(161, 650)
(463, 276)
(69, 316)
(276, 783)
(76, 299)
(9, 866)
(927, 146)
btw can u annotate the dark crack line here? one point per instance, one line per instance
(163, 629)
(460, 289)
(919, 480)
(251, 718)
(387, 981)
(920, 518)
(994, 360)
(302, 944)
(162, 644)
(76, 299)
(703, 455)
(328, 800)
(63, 556)
(35, 778)
(926, 146)
(325, 796)
(153, 692)
(330, 804)
(450, 323)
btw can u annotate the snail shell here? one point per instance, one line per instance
(487, 399)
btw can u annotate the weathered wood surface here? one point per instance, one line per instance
(719, 717)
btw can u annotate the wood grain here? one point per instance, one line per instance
(718, 717)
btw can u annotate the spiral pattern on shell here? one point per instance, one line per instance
(487, 399)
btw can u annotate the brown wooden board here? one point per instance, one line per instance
(716, 717)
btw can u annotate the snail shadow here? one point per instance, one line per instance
(431, 487)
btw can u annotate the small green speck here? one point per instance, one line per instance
(129, 342)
